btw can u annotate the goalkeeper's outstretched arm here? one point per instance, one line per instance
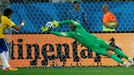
(56, 24)
(68, 22)
(63, 34)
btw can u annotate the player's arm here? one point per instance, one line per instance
(68, 22)
(18, 27)
(11, 24)
(55, 24)
(63, 34)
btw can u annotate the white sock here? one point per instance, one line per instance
(4, 60)
(6, 54)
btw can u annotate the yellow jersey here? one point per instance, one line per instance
(5, 23)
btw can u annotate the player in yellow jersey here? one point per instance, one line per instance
(5, 23)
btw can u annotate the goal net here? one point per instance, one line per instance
(31, 47)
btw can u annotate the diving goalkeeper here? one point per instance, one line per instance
(88, 40)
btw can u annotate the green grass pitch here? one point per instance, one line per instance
(72, 71)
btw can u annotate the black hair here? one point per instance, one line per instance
(75, 2)
(7, 12)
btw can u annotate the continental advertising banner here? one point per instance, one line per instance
(50, 50)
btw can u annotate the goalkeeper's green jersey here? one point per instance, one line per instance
(88, 40)
(82, 36)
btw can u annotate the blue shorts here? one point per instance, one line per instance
(3, 45)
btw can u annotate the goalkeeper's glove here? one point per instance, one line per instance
(56, 23)
(44, 29)
(53, 24)
(47, 27)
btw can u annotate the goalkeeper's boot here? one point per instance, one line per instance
(131, 60)
(9, 69)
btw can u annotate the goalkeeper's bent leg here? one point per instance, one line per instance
(117, 59)
(119, 52)
(106, 53)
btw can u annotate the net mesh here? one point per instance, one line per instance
(38, 13)
(30, 47)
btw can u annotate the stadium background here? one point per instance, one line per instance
(31, 48)
(37, 14)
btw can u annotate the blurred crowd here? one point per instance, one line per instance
(21, 1)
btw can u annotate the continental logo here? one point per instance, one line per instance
(31, 48)
(36, 47)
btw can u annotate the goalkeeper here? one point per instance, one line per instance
(88, 40)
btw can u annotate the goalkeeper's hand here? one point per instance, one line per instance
(44, 29)
(49, 25)
(53, 24)
(56, 23)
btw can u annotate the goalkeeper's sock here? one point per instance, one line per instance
(116, 58)
(118, 51)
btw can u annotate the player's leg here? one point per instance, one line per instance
(5, 55)
(104, 52)
(101, 48)
(117, 59)
(123, 55)
(2, 54)
(103, 44)
(119, 52)
(5, 48)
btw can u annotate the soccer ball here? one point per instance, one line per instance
(50, 25)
